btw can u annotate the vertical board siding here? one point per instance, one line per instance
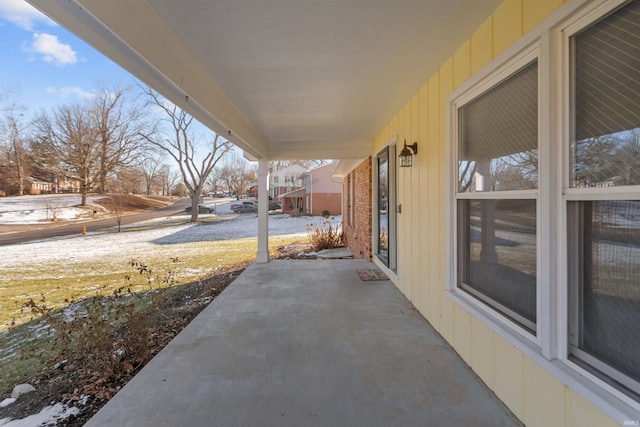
(446, 305)
(433, 191)
(462, 64)
(507, 25)
(416, 212)
(482, 351)
(543, 397)
(482, 46)
(425, 220)
(534, 395)
(534, 11)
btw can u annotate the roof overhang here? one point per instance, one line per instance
(284, 79)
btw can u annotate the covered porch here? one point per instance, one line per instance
(307, 343)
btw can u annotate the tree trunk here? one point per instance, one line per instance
(20, 179)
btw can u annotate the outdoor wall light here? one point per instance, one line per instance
(406, 155)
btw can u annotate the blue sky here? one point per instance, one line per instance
(47, 65)
(42, 65)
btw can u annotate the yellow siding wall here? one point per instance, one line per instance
(534, 395)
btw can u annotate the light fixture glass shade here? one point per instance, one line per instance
(406, 157)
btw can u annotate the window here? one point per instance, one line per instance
(385, 217)
(275, 179)
(497, 181)
(351, 197)
(544, 189)
(383, 207)
(603, 198)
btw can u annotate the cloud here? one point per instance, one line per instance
(22, 14)
(51, 49)
(70, 91)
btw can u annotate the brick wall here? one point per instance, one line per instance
(358, 235)
(327, 201)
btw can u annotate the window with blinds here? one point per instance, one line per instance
(603, 198)
(497, 230)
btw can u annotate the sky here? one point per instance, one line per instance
(45, 65)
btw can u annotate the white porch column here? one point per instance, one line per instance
(263, 211)
(488, 213)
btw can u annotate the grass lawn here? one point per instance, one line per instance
(59, 283)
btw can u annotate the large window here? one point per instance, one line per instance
(496, 196)
(545, 198)
(603, 198)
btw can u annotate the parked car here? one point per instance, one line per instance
(201, 209)
(244, 203)
(245, 209)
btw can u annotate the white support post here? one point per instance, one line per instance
(488, 215)
(263, 211)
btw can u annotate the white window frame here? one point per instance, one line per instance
(550, 347)
(392, 268)
(516, 63)
(567, 193)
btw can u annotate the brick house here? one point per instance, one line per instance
(318, 192)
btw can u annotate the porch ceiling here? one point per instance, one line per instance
(283, 79)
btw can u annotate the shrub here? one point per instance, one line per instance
(325, 213)
(325, 235)
(107, 337)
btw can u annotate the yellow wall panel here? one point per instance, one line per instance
(446, 317)
(482, 351)
(446, 87)
(543, 403)
(433, 192)
(482, 46)
(416, 212)
(422, 301)
(462, 333)
(581, 413)
(462, 64)
(507, 25)
(393, 127)
(507, 374)
(404, 218)
(534, 11)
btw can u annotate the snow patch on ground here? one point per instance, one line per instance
(37, 209)
(48, 416)
(109, 243)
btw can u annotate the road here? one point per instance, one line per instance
(92, 225)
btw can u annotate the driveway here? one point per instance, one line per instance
(38, 233)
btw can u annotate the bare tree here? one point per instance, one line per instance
(16, 150)
(150, 168)
(118, 122)
(237, 173)
(69, 137)
(181, 145)
(215, 182)
(169, 179)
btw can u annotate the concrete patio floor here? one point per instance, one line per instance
(306, 343)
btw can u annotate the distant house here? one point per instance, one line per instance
(252, 190)
(285, 180)
(318, 193)
(38, 186)
(53, 180)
